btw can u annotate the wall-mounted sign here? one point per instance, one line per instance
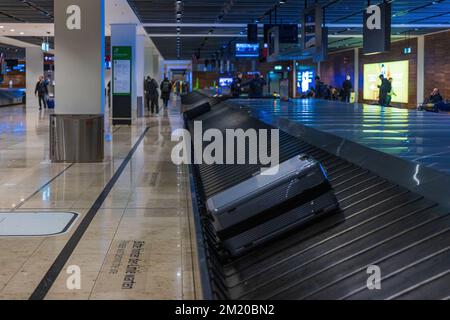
(377, 28)
(305, 80)
(122, 84)
(45, 46)
(122, 71)
(278, 68)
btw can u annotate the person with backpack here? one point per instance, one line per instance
(152, 95)
(166, 88)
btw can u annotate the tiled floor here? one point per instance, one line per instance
(138, 246)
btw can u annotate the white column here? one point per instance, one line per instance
(34, 69)
(125, 35)
(157, 72)
(139, 73)
(420, 69)
(356, 76)
(148, 62)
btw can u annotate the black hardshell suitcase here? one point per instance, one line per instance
(265, 207)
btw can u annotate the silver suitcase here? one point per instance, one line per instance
(267, 206)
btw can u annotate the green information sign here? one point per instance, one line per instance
(122, 73)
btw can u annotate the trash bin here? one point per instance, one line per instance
(76, 138)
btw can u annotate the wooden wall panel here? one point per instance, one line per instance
(335, 69)
(437, 63)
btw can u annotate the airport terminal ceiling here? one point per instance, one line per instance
(204, 14)
(342, 12)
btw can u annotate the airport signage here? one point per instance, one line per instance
(122, 84)
(122, 70)
(73, 21)
(377, 28)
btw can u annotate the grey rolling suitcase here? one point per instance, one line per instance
(267, 206)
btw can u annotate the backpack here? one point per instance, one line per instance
(166, 86)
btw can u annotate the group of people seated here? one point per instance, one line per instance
(328, 92)
(255, 86)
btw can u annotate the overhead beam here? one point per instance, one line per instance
(329, 25)
(195, 35)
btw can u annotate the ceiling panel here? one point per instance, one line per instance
(33, 11)
(238, 11)
(248, 11)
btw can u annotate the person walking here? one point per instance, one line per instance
(152, 95)
(384, 90)
(236, 86)
(108, 92)
(347, 87)
(166, 88)
(41, 92)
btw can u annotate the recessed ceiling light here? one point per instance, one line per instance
(1, 27)
(12, 30)
(22, 33)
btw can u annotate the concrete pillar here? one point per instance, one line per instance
(77, 128)
(34, 69)
(80, 54)
(356, 75)
(139, 72)
(148, 62)
(157, 71)
(420, 69)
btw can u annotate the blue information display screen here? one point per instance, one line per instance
(305, 80)
(247, 50)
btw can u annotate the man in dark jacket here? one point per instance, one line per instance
(166, 88)
(236, 86)
(152, 95)
(257, 87)
(435, 97)
(347, 89)
(41, 92)
(320, 89)
(385, 88)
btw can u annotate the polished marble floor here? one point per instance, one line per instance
(417, 136)
(138, 246)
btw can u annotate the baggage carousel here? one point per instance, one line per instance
(380, 222)
(9, 97)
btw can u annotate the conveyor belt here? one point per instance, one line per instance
(382, 224)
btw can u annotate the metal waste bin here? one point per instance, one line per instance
(76, 138)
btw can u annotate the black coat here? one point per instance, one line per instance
(236, 87)
(41, 88)
(436, 98)
(151, 87)
(257, 88)
(347, 86)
